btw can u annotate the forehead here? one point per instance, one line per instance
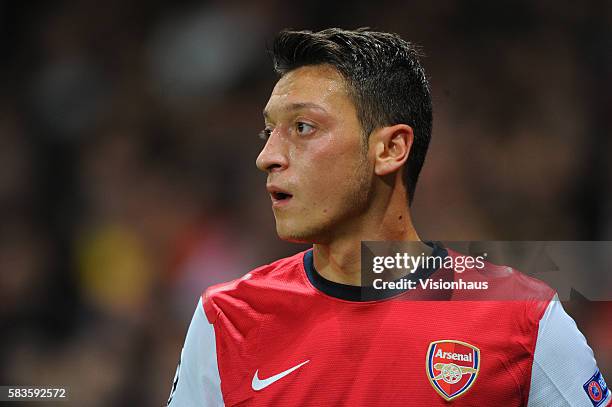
(317, 85)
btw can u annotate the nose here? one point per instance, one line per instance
(273, 156)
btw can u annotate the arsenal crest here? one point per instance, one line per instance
(452, 367)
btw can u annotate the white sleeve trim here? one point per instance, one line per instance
(197, 381)
(563, 362)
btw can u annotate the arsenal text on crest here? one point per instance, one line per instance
(454, 356)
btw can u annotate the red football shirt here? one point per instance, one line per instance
(282, 335)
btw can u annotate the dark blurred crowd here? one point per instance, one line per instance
(128, 137)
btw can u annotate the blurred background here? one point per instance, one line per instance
(128, 138)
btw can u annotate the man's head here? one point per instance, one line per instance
(341, 94)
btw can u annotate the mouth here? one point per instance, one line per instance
(279, 197)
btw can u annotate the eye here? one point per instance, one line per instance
(265, 133)
(304, 129)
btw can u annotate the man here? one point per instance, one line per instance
(347, 128)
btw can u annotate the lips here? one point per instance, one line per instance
(278, 195)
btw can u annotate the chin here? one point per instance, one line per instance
(294, 237)
(297, 234)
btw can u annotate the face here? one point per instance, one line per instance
(318, 173)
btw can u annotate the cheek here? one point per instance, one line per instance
(336, 187)
(334, 156)
(328, 167)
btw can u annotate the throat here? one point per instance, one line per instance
(343, 267)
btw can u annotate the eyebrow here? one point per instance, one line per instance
(298, 106)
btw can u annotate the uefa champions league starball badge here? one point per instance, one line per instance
(452, 367)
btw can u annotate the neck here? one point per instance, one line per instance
(339, 260)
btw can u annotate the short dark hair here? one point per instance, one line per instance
(385, 80)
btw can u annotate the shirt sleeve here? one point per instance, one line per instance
(564, 371)
(197, 381)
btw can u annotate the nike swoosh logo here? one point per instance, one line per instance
(259, 384)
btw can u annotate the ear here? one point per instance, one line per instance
(391, 146)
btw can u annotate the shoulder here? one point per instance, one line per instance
(280, 275)
(522, 298)
(504, 282)
(564, 366)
